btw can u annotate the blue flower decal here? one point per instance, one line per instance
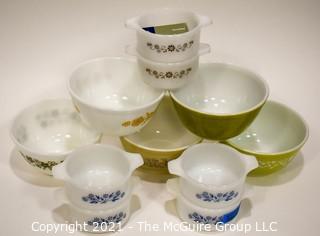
(219, 197)
(104, 198)
(98, 221)
(213, 220)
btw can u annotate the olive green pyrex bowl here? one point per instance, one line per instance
(221, 102)
(163, 139)
(274, 138)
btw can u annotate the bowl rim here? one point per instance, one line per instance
(117, 58)
(234, 67)
(171, 36)
(187, 202)
(137, 145)
(214, 145)
(186, 62)
(269, 154)
(106, 147)
(226, 209)
(122, 205)
(47, 154)
(295, 148)
(127, 138)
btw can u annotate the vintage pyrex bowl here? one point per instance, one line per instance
(275, 137)
(111, 96)
(212, 175)
(97, 176)
(163, 75)
(221, 102)
(160, 141)
(205, 218)
(101, 221)
(168, 48)
(46, 132)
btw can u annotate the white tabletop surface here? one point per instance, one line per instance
(40, 41)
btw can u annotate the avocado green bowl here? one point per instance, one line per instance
(221, 102)
(274, 138)
(163, 139)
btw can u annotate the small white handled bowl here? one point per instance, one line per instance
(212, 175)
(111, 96)
(97, 176)
(46, 132)
(101, 221)
(163, 75)
(168, 48)
(206, 219)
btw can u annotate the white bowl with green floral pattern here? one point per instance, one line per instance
(45, 133)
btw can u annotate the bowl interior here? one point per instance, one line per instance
(97, 166)
(168, 17)
(164, 131)
(51, 127)
(213, 164)
(111, 83)
(276, 129)
(223, 89)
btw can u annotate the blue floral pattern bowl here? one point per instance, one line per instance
(104, 198)
(206, 218)
(218, 197)
(192, 213)
(103, 220)
(213, 219)
(108, 220)
(98, 177)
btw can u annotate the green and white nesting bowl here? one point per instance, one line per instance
(163, 139)
(274, 138)
(221, 102)
(45, 133)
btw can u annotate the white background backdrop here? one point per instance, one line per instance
(40, 41)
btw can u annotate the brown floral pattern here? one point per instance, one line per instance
(40, 164)
(154, 163)
(138, 121)
(169, 74)
(170, 48)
